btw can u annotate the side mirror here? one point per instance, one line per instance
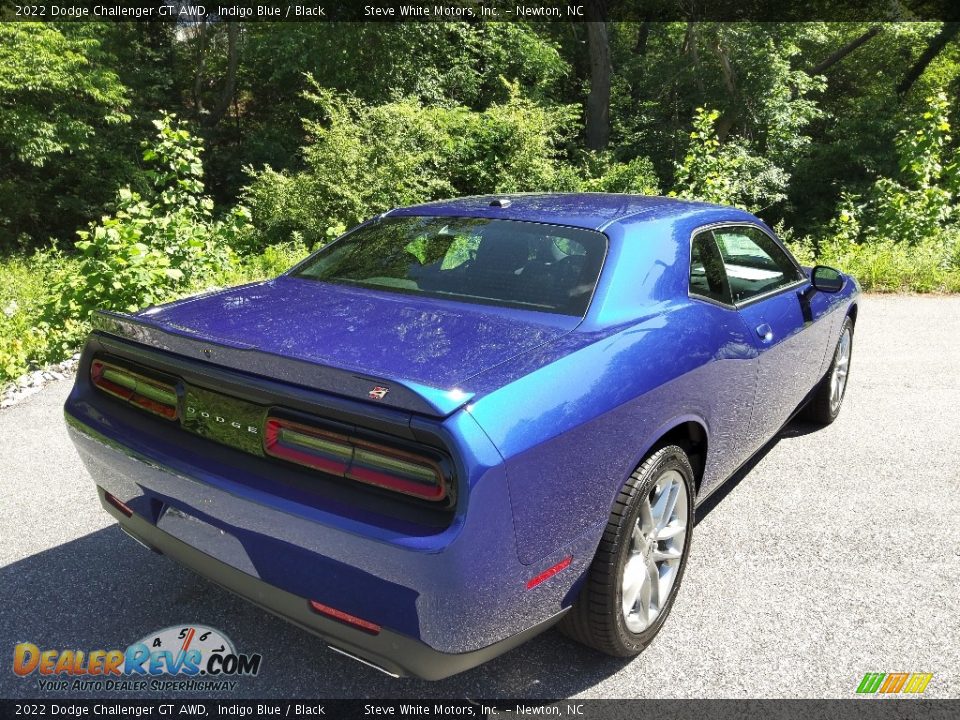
(826, 279)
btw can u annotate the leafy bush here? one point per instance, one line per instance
(153, 247)
(605, 175)
(905, 235)
(882, 264)
(273, 261)
(363, 159)
(922, 204)
(25, 282)
(727, 173)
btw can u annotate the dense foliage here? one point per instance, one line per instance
(60, 105)
(156, 245)
(361, 159)
(837, 133)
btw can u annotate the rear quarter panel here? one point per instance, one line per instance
(572, 423)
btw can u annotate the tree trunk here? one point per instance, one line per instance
(937, 43)
(230, 83)
(692, 48)
(201, 64)
(598, 101)
(729, 118)
(841, 53)
(643, 37)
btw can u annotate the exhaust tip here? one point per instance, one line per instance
(362, 661)
(139, 541)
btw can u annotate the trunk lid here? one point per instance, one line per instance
(345, 340)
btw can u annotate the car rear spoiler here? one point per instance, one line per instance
(400, 393)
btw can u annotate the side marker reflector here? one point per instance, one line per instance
(118, 504)
(343, 617)
(550, 572)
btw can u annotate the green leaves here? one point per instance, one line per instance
(363, 159)
(152, 248)
(63, 126)
(53, 92)
(730, 173)
(607, 175)
(921, 205)
(903, 233)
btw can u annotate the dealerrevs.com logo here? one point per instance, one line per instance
(182, 657)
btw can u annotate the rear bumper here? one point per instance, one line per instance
(387, 651)
(445, 601)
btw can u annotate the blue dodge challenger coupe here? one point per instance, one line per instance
(464, 421)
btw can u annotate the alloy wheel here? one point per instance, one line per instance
(841, 368)
(656, 549)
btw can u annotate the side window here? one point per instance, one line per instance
(754, 263)
(707, 276)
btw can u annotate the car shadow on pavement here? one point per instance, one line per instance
(795, 428)
(104, 591)
(798, 428)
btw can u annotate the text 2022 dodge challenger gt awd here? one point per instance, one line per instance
(464, 421)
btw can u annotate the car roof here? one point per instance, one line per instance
(593, 211)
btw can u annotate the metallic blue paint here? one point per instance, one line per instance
(432, 342)
(544, 416)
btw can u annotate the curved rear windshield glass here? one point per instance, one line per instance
(499, 262)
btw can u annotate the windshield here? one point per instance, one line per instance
(500, 262)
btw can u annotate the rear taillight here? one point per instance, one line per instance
(355, 459)
(151, 395)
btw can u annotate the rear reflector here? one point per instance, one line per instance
(550, 572)
(118, 504)
(151, 395)
(343, 617)
(355, 459)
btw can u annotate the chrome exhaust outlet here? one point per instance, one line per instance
(361, 660)
(139, 541)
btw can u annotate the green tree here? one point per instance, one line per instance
(727, 173)
(153, 246)
(364, 159)
(446, 63)
(59, 99)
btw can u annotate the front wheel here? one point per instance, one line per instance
(825, 404)
(635, 575)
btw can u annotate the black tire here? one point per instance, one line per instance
(597, 618)
(821, 409)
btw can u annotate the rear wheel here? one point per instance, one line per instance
(825, 405)
(639, 564)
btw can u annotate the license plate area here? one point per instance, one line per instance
(207, 538)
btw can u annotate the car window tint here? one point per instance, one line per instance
(707, 276)
(753, 262)
(500, 262)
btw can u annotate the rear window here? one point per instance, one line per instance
(498, 262)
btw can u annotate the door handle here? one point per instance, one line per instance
(765, 332)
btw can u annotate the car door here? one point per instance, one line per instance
(733, 374)
(772, 294)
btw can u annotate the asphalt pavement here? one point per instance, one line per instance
(835, 554)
